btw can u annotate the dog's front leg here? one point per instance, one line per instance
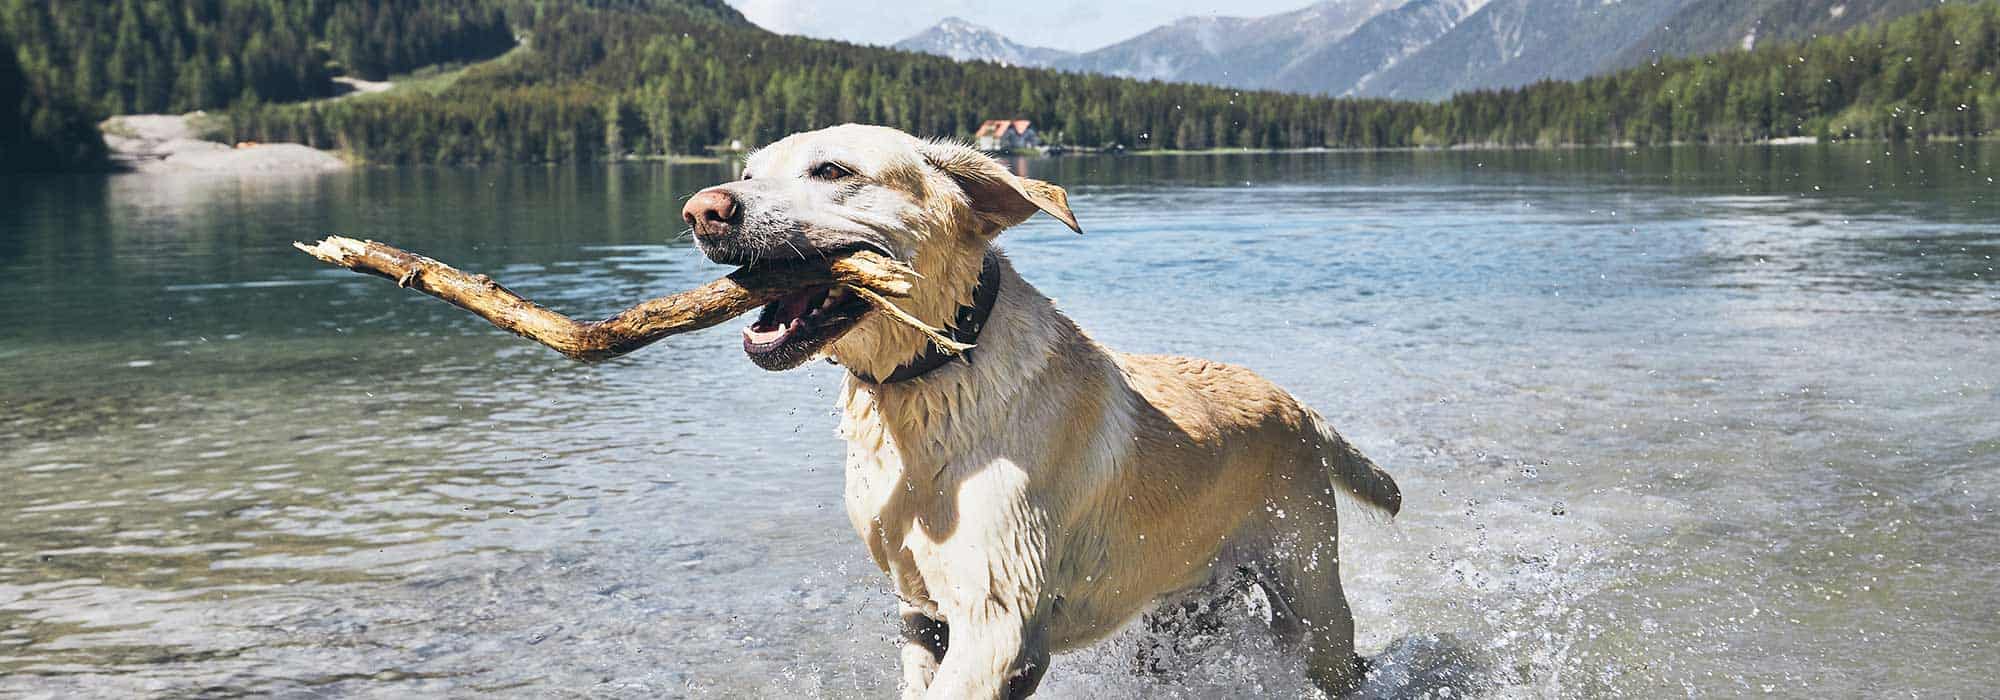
(924, 642)
(995, 654)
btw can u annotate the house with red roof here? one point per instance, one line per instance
(1007, 135)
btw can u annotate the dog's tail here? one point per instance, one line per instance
(1355, 472)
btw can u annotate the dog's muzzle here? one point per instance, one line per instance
(793, 329)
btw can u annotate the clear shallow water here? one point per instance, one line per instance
(1688, 421)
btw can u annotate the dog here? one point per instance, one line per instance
(1040, 491)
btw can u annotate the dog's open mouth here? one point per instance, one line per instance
(792, 329)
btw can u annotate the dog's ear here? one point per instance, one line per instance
(994, 192)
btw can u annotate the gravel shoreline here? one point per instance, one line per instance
(171, 144)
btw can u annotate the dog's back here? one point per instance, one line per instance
(1234, 406)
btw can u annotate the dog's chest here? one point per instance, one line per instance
(928, 489)
(890, 498)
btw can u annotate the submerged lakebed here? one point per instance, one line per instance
(1668, 421)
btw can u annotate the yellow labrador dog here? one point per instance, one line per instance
(1041, 491)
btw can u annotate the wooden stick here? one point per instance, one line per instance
(633, 328)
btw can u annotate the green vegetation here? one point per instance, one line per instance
(1928, 75)
(130, 56)
(601, 79)
(40, 128)
(435, 78)
(375, 38)
(619, 79)
(67, 65)
(647, 79)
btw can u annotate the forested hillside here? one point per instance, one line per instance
(42, 129)
(130, 56)
(607, 82)
(602, 79)
(68, 65)
(1710, 26)
(1927, 75)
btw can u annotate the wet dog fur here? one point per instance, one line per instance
(1043, 495)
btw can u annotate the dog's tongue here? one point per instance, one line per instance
(763, 335)
(780, 318)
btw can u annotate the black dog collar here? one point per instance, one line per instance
(964, 329)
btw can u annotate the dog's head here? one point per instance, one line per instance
(935, 205)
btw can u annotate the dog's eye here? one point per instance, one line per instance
(830, 171)
(746, 174)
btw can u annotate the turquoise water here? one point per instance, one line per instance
(1674, 421)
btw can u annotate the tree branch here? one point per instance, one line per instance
(634, 328)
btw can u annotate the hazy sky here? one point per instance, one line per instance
(1064, 24)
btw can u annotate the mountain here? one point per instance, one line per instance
(1351, 66)
(1709, 26)
(960, 40)
(1257, 53)
(1430, 49)
(1508, 43)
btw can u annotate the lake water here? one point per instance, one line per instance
(1669, 422)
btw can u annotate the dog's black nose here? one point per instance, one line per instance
(711, 212)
